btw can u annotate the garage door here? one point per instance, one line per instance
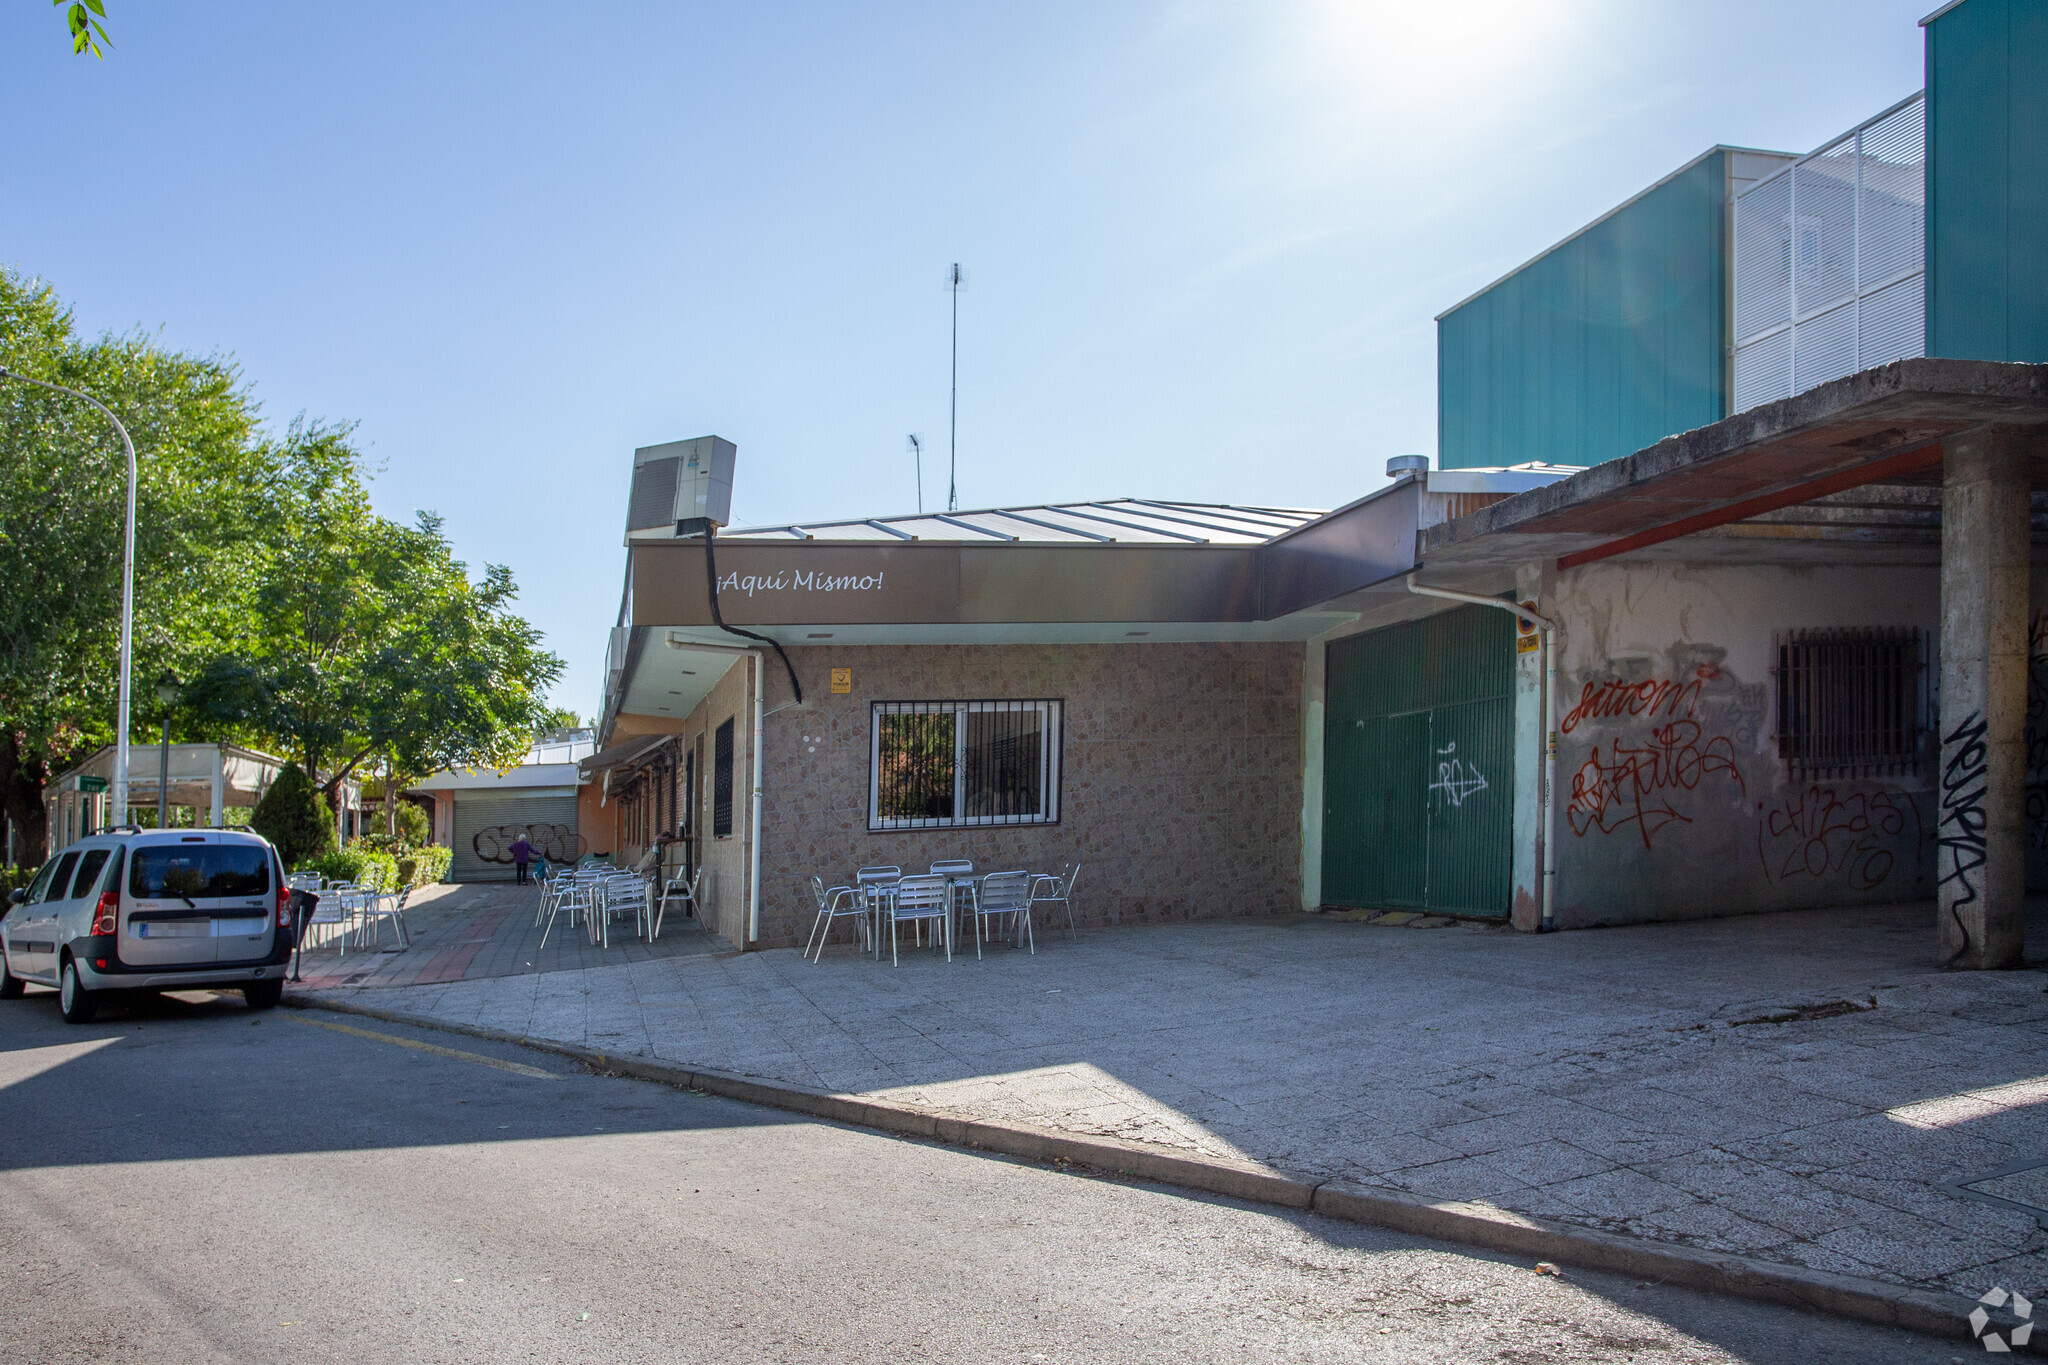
(486, 825)
(1418, 765)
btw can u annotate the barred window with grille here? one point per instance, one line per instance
(721, 782)
(939, 764)
(1849, 703)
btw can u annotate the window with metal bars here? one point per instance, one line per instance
(939, 764)
(1849, 702)
(721, 782)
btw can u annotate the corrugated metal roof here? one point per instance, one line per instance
(1124, 520)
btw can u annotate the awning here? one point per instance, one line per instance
(620, 756)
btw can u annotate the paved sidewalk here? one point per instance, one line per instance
(485, 929)
(1794, 1087)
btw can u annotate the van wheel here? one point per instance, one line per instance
(10, 984)
(264, 995)
(78, 1004)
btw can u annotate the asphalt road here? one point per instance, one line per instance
(189, 1181)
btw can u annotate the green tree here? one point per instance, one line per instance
(294, 818)
(368, 640)
(63, 487)
(558, 718)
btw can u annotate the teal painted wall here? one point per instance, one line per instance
(1987, 181)
(1606, 343)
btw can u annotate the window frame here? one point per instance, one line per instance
(1051, 759)
(1824, 693)
(724, 739)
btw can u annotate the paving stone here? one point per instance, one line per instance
(1590, 1077)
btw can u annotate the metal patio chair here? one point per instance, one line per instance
(959, 872)
(1006, 893)
(875, 885)
(834, 904)
(679, 889)
(1047, 889)
(576, 896)
(919, 899)
(330, 919)
(377, 907)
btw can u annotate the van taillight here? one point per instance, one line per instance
(109, 908)
(284, 907)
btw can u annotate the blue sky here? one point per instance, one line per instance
(1204, 242)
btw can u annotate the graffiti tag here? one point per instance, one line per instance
(1454, 780)
(1657, 697)
(1631, 785)
(556, 843)
(1819, 833)
(1964, 783)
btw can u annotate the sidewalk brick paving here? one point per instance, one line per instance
(480, 930)
(1661, 1081)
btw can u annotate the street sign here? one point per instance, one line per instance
(88, 783)
(1525, 631)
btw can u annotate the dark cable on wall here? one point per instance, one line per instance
(711, 576)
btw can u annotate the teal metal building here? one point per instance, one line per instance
(1987, 201)
(1610, 340)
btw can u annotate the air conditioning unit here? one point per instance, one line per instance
(681, 487)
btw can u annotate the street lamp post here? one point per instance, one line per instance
(167, 688)
(120, 793)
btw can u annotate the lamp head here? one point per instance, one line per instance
(168, 688)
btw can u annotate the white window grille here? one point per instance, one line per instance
(1829, 261)
(941, 764)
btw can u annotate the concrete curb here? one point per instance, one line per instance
(1475, 1225)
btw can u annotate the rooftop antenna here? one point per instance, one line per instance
(955, 278)
(917, 450)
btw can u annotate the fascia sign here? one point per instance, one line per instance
(806, 580)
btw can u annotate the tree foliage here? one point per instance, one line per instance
(203, 472)
(368, 639)
(294, 818)
(304, 622)
(83, 19)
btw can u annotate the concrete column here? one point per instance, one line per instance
(1315, 654)
(1533, 583)
(1981, 783)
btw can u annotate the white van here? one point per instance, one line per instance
(129, 909)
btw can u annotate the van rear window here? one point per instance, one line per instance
(199, 871)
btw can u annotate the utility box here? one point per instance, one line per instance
(681, 487)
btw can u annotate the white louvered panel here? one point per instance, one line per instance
(1824, 228)
(1834, 244)
(1824, 347)
(1763, 371)
(1894, 325)
(1763, 258)
(1894, 194)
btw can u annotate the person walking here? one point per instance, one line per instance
(522, 854)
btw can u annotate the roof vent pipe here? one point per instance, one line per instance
(1400, 466)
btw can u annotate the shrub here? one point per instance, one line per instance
(11, 877)
(432, 862)
(414, 830)
(294, 818)
(359, 863)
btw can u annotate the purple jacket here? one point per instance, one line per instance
(522, 852)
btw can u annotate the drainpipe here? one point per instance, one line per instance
(754, 829)
(1549, 795)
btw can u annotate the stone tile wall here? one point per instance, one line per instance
(1181, 791)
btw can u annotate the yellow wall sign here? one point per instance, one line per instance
(1525, 631)
(842, 681)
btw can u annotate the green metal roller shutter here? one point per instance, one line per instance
(1418, 765)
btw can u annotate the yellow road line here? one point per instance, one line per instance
(518, 1068)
